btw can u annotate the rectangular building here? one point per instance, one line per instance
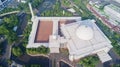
(113, 13)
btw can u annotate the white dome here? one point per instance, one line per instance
(84, 32)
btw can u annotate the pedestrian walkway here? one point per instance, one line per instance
(13, 12)
(55, 59)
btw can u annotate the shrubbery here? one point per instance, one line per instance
(89, 61)
(39, 50)
(17, 51)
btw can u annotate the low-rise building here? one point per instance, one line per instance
(113, 13)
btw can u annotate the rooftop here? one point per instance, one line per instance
(82, 32)
(44, 30)
(114, 7)
(87, 40)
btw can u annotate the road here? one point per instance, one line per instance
(8, 52)
(6, 55)
(115, 56)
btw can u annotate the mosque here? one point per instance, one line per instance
(80, 37)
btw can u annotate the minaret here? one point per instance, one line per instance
(31, 10)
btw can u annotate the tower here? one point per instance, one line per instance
(31, 10)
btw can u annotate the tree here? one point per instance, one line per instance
(1, 48)
(11, 21)
(90, 61)
(36, 3)
(115, 65)
(3, 31)
(12, 37)
(9, 61)
(39, 50)
(17, 51)
(7, 28)
(35, 65)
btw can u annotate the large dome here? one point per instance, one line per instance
(85, 32)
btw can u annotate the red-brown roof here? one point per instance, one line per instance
(44, 30)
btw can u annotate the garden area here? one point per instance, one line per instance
(36, 3)
(39, 50)
(6, 28)
(23, 6)
(21, 49)
(20, 7)
(17, 51)
(32, 65)
(65, 3)
(83, 11)
(64, 51)
(115, 65)
(90, 61)
(57, 11)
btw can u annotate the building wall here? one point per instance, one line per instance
(77, 57)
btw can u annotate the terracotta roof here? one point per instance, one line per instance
(44, 30)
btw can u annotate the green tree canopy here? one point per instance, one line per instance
(17, 51)
(90, 61)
